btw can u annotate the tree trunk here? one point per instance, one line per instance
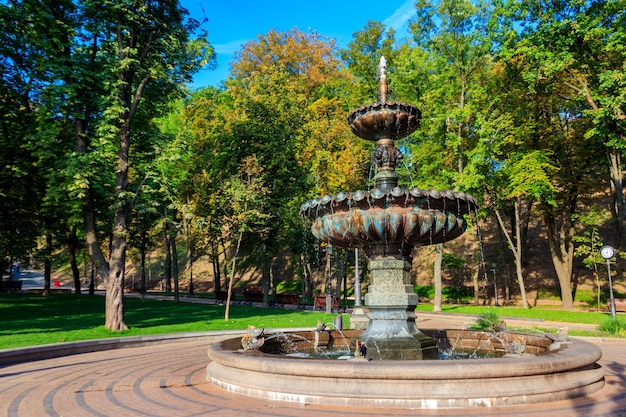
(516, 247)
(72, 247)
(175, 268)
(75, 270)
(215, 261)
(231, 277)
(47, 265)
(560, 232)
(142, 252)
(475, 276)
(341, 274)
(518, 251)
(114, 319)
(92, 278)
(273, 277)
(167, 262)
(437, 303)
(89, 217)
(189, 254)
(191, 289)
(305, 277)
(503, 243)
(617, 178)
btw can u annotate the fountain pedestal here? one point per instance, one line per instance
(391, 332)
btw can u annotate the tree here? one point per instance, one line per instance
(579, 47)
(277, 81)
(589, 244)
(553, 54)
(528, 179)
(102, 60)
(245, 212)
(362, 56)
(457, 35)
(31, 135)
(206, 115)
(445, 68)
(150, 43)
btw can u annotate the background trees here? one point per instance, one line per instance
(101, 60)
(523, 106)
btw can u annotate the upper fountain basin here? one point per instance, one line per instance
(384, 121)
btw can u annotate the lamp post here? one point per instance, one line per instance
(329, 289)
(607, 252)
(495, 284)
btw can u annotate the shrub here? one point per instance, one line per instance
(457, 293)
(425, 291)
(613, 326)
(487, 321)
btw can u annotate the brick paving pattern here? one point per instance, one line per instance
(166, 380)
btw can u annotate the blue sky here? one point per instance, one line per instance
(230, 25)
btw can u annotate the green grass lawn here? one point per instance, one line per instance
(544, 313)
(32, 319)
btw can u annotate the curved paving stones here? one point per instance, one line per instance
(170, 380)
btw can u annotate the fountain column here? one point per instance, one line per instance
(391, 332)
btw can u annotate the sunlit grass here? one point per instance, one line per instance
(546, 314)
(29, 319)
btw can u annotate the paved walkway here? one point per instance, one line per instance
(170, 380)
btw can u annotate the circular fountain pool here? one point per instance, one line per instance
(546, 371)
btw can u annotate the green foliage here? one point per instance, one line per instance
(529, 176)
(362, 56)
(487, 320)
(425, 291)
(590, 241)
(452, 294)
(613, 326)
(451, 260)
(455, 294)
(293, 286)
(520, 101)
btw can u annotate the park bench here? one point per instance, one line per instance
(280, 300)
(222, 297)
(253, 294)
(320, 302)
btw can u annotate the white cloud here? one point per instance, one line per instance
(229, 48)
(400, 18)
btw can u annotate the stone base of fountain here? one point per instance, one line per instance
(547, 371)
(417, 347)
(392, 335)
(391, 332)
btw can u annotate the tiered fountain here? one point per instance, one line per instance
(388, 222)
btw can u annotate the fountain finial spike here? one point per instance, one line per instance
(382, 66)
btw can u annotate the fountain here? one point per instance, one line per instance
(388, 222)
(401, 369)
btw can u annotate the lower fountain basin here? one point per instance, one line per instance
(545, 372)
